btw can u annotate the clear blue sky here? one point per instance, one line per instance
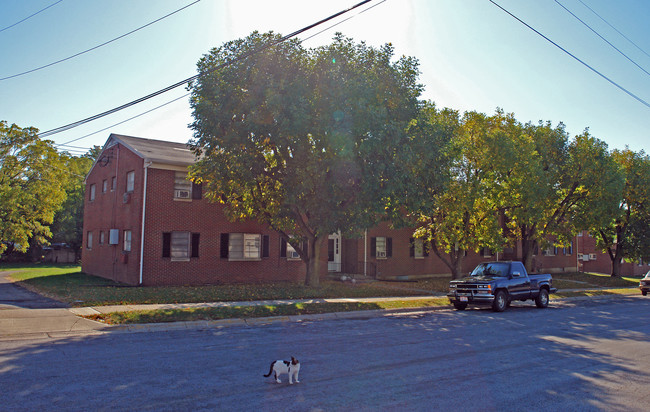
(472, 55)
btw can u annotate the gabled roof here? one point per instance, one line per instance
(161, 153)
(156, 151)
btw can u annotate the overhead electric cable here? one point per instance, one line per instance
(193, 78)
(576, 58)
(343, 21)
(99, 45)
(617, 31)
(30, 16)
(123, 121)
(604, 39)
(187, 94)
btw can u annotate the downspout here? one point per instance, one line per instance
(144, 209)
(365, 253)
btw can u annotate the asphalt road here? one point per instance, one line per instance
(582, 355)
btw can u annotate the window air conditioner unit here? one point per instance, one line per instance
(182, 194)
(381, 254)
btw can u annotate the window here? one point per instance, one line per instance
(288, 251)
(130, 181)
(89, 240)
(381, 247)
(92, 192)
(417, 249)
(180, 246)
(102, 237)
(185, 189)
(113, 183)
(486, 252)
(182, 186)
(244, 246)
(127, 240)
(104, 186)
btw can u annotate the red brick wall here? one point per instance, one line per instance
(164, 214)
(113, 209)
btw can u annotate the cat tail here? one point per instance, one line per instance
(270, 370)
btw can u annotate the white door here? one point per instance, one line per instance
(334, 252)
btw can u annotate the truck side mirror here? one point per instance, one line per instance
(516, 274)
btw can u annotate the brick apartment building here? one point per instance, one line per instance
(146, 224)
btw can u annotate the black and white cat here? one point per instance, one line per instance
(291, 368)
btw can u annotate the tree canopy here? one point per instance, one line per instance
(32, 187)
(304, 140)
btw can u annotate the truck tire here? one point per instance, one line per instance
(644, 292)
(542, 298)
(500, 301)
(460, 306)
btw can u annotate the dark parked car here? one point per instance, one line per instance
(644, 284)
(497, 284)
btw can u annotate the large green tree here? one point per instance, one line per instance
(67, 226)
(446, 197)
(303, 140)
(32, 187)
(625, 232)
(554, 185)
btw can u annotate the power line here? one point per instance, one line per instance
(98, 46)
(604, 39)
(195, 77)
(123, 121)
(576, 58)
(187, 94)
(30, 16)
(617, 31)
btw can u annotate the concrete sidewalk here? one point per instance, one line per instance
(23, 323)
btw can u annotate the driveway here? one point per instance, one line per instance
(13, 296)
(24, 313)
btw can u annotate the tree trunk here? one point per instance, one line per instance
(528, 244)
(313, 263)
(616, 266)
(457, 264)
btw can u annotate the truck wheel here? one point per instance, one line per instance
(542, 299)
(500, 301)
(460, 306)
(644, 292)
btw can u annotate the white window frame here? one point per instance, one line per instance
(180, 246)
(102, 237)
(89, 240)
(381, 248)
(127, 241)
(104, 186)
(245, 246)
(182, 187)
(113, 183)
(93, 189)
(130, 181)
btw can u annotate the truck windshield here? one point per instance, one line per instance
(491, 269)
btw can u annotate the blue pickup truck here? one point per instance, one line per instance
(496, 284)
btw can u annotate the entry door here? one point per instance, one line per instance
(334, 253)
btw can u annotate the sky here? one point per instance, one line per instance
(472, 55)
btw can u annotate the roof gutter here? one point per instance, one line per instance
(144, 209)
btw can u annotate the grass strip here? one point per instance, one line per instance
(256, 311)
(596, 292)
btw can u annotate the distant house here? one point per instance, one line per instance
(145, 223)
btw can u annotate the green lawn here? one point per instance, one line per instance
(246, 312)
(68, 284)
